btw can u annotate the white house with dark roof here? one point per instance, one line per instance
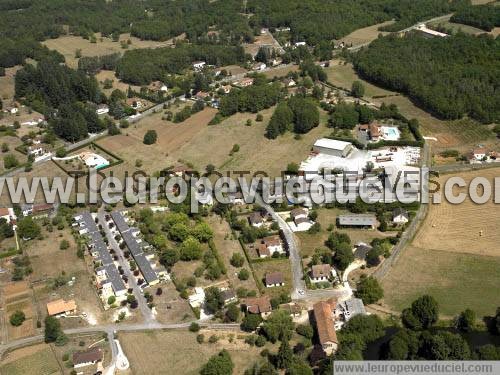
(400, 216)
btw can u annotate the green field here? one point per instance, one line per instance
(39, 363)
(457, 281)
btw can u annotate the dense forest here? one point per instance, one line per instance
(450, 77)
(141, 66)
(484, 17)
(306, 18)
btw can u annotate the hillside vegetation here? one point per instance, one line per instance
(450, 77)
(484, 17)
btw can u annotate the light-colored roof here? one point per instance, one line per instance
(323, 314)
(332, 144)
(361, 219)
(60, 306)
(4, 211)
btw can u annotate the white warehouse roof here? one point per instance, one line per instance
(332, 144)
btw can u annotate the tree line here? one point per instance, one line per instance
(484, 17)
(306, 18)
(437, 73)
(141, 66)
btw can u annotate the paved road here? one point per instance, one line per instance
(299, 285)
(146, 312)
(412, 229)
(110, 329)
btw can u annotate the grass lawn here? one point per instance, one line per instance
(177, 352)
(40, 362)
(310, 242)
(457, 281)
(365, 35)
(257, 153)
(227, 246)
(68, 44)
(274, 265)
(344, 75)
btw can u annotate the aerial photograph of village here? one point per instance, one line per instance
(249, 187)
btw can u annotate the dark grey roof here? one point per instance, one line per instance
(358, 220)
(86, 220)
(135, 248)
(146, 269)
(228, 295)
(352, 307)
(132, 244)
(120, 222)
(400, 211)
(361, 251)
(113, 276)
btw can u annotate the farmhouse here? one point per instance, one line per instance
(400, 216)
(87, 358)
(258, 305)
(61, 307)
(269, 246)
(332, 147)
(274, 279)
(479, 153)
(357, 221)
(325, 325)
(320, 273)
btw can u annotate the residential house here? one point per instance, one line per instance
(400, 216)
(274, 279)
(37, 210)
(368, 221)
(293, 309)
(237, 198)
(102, 109)
(199, 65)
(256, 219)
(360, 252)
(300, 217)
(244, 82)
(375, 131)
(258, 305)
(226, 89)
(197, 298)
(289, 82)
(87, 357)
(325, 325)
(7, 214)
(158, 86)
(321, 273)
(259, 66)
(228, 296)
(61, 307)
(480, 153)
(202, 95)
(270, 245)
